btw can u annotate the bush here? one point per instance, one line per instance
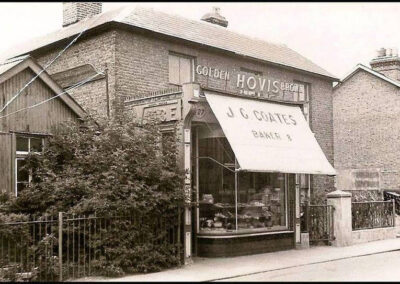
(108, 167)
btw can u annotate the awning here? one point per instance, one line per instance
(269, 137)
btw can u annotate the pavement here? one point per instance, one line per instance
(213, 269)
(375, 267)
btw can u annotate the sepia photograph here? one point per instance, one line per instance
(199, 141)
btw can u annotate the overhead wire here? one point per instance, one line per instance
(44, 69)
(56, 96)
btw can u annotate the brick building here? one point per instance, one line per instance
(176, 69)
(366, 127)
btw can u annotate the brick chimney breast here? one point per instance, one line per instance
(75, 11)
(215, 18)
(387, 62)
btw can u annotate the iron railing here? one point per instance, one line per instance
(389, 195)
(71, 246)
(29, 250)
(317, 220)
(373, 214)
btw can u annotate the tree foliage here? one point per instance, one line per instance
(109, 167)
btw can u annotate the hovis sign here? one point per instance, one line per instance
(269, 137)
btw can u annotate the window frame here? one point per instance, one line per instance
(237, 230)
(21, 155)
(192, 68)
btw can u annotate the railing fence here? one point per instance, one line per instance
(389, 195)
(373, 214)
(71, 246)
(317, 220)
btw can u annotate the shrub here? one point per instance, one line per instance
(108, 167)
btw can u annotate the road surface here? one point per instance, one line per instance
(376, 267)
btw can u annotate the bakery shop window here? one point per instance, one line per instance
(245, 202)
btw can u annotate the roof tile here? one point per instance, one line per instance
(196, 31)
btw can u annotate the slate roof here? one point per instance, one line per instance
(179, 27)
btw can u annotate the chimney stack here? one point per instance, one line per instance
(387, 62)
(73, 12)
(215, 18)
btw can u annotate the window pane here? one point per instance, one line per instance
(22, 144)
(216, 187)
(21, 187)
(36, 144)
(261, 201)
(22, 174)
(185, 70)
(301, 93)
(261, 197)
(173, 69)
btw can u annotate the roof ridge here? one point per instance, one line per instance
(232, 32)
(369, 70)
(183, 28)
(215, 26)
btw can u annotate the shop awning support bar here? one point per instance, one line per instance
(215, 161)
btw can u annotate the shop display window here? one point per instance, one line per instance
(245, 202)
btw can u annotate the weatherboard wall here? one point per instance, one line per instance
(39, 119)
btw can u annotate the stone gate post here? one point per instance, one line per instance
(341, 202)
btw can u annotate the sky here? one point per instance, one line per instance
(335, 36)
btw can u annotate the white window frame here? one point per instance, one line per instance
(21, 155)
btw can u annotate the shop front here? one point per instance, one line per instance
(244, 157)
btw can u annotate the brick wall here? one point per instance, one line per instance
(97, 51)
(143, 67)
(139, 64)
(367, 128)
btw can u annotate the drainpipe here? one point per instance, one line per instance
(107, 94)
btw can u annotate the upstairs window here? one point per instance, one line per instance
(180, 69)
(301, 94)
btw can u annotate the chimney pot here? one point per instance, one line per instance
(380, 52)
(387, 63)
(395, 52)
(215, 17)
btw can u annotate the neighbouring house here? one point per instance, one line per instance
(366, 107)
(254, 118)
(24, 128)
